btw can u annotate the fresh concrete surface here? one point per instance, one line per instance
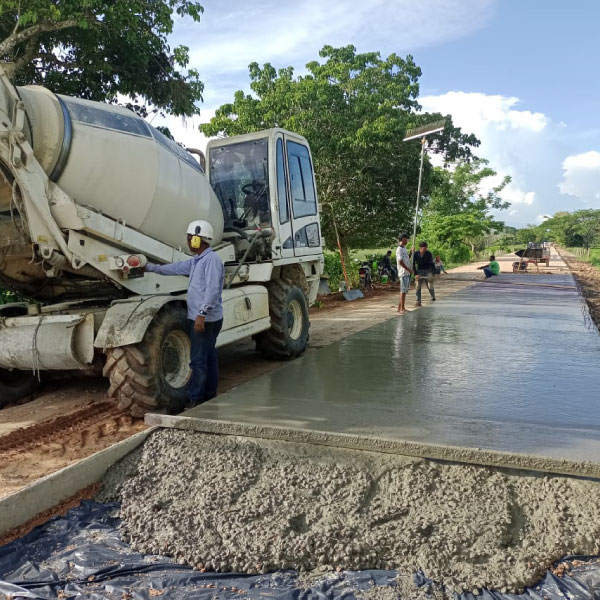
(510, 365)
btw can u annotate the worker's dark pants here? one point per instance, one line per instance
(488, 272)
(425, 277)
(204, 362)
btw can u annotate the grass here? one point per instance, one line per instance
(591, 256)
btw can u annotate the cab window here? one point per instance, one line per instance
(304, 200)
(239, 176)
(284, 214)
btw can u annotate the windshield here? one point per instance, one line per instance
(239, 174)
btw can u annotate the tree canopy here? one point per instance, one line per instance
(97, 49)
(459, 213)
(579, 229)
(354, 109)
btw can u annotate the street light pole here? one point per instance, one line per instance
(422, 133)
(414, 237)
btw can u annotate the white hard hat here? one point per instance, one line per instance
(202, 228)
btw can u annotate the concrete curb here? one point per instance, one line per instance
(473, 456)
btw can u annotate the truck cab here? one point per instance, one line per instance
(265, 180)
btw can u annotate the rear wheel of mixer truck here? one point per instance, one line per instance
(288, 336)
(154, 374)
(17, 385)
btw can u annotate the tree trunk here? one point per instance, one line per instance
(7, 45)
(346, 262)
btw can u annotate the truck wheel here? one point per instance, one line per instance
(288, 335)
(153, 374)
(16, 385)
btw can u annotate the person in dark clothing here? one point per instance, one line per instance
(387, 267)
(424, 267)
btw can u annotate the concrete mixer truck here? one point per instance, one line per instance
(89, 192)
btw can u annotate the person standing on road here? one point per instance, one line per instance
(205, 308)
(492, 268)
(404, 271)
(424, 267)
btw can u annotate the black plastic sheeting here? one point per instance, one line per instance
(81, 555)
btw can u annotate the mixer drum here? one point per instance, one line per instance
(107, 158)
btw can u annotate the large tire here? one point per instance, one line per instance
(288, 335)
(153, 374)
(16, 385)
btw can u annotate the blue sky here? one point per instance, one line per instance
(524, 76)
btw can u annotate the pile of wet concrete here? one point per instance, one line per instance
(233, 504)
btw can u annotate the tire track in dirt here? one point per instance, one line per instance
(29, 453)
(47, 431)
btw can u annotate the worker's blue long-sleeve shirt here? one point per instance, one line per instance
(207, 274)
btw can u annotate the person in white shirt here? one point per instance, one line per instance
(404, 270)
(439, 266)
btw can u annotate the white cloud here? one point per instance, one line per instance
(185, 130)
(511, 193)
(515, 195)
(517, 142)
(541, 218)
(232, 34)
(478, 113)
(581, 177)
(269, 29)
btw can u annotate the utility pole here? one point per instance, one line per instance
(421, 133)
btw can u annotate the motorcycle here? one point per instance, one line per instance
(364, 276)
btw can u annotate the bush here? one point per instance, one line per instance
(333, 270)
(459, 255)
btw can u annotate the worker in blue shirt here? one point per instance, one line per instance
(205, 308)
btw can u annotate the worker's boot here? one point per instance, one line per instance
(418, 304)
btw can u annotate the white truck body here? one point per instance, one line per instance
(89, 192)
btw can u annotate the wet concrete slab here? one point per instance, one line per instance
(511, 364)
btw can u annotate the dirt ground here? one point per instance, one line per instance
(72, 419)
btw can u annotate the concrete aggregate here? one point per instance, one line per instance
(117, 475)
(234, 504)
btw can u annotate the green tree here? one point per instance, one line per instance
(527, 234)
(354, 109)
(97, 49)
(587, 227)
(578, 229)
(458, 215)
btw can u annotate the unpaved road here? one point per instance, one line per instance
(73, 419)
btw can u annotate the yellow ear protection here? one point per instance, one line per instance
(196, 240)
